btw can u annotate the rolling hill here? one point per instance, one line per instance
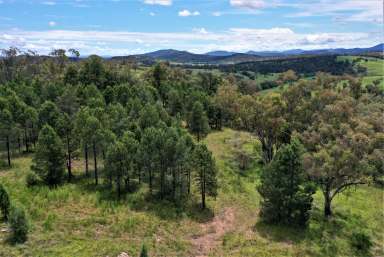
(225, 57)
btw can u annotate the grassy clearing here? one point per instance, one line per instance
(80, 220)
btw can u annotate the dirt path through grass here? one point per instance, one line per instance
(213, 231)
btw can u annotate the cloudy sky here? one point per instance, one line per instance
(119, 27)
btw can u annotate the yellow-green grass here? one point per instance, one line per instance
(78, 219)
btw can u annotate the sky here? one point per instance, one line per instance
(123, 27)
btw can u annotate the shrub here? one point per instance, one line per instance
(32, 179)
(4, 202)
(144, 251)
(19, 225)
(361, 241)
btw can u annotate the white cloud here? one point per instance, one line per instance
(217, 14)
(158, 2)
(152, 14)
(200, 30)
(52, 23)
(250, 4)
(49, 3)
(186, 13)
(342, 10)
(200, 40)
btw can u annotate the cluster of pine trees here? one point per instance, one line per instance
(129, 129)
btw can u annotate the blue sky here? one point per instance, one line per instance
(119, 27)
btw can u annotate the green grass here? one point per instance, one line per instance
(375, 68)
(80, 220)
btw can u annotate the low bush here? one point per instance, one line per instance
(361, 241)
(19, 225)
(4, 202)
(32, 179)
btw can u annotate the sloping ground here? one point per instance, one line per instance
(213, 232)
(80, 220)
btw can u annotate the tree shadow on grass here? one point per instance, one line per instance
(324, 233)
(167, 209)
(139, 199)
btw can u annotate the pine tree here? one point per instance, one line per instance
(198, 121)
(49, 159)
(4, 202)
(115, 163)
(19, 225)
(286, 193)
(206, 172)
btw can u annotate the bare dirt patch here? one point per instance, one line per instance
(212, 232)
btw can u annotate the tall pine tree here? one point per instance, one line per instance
(286, 192)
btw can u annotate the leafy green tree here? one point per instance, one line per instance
(19, 225)
(206, 172)
(48, 114)
(29, 122)
(66, 131)
(131, 147)
(149, 117)
(198, 121)
(149, 154)
(115, 160)
(49, 158)
(286, 192)
(341, 142)
(80, 130)
(5, 203)
(93, 72)
(93, 132)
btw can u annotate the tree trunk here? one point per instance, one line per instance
(69, 164)
(203, 190)
(189, 182)
(150, 181)
(86, 160)
(18, 143)
(95, 162)
(26, 140)
(8, 152)
(162, 182)
(327, 204)
(118, 188)
(174, 183)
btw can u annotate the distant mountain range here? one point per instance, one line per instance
(225, 57)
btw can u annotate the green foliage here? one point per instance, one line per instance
(198, 121)
(144, 251)
(32, 179)
(286, 193)
(5, 202)
(48, 161)
(361, 241)
(19, 225)
(206, 172)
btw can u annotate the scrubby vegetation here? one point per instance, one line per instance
(107, 157)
